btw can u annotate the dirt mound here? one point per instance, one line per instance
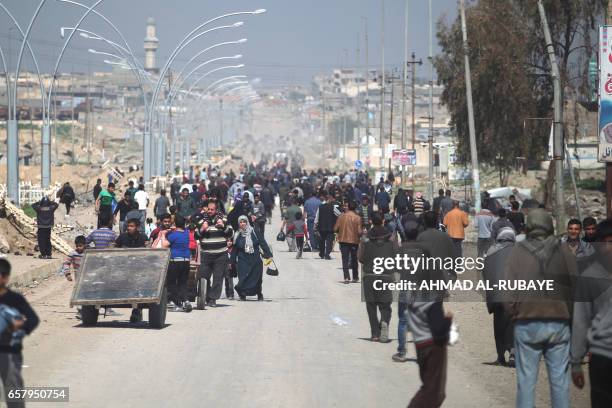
(15, 240)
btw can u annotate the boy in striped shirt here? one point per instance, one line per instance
(103, 237)
(73, 262)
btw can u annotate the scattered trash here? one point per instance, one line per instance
(454, 335)
(337, 320)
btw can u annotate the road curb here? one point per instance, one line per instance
(35, 274)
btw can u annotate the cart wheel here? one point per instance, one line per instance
(89, 315)
(201, 296)
(157, 312)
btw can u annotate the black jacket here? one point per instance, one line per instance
(17, 301)
(45, 213)
(327, 218)
(126, 240)
(96, 191)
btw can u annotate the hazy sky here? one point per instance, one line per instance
(292, 42)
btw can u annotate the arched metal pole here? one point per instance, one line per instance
(46, 128)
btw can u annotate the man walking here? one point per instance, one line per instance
(325, 221)
(258, 216)
(365, 211)
(185, 205)
(161, 204)
(501, 222)
(412, 250)
(124, 206)
(484, 223)
(142, 198)
(349, 228)
(591, 322)
(420, 205)
(45, 221)
(97, 189)
(311, 206)
(132, 238)
(66, 196)
(446, 205)
(541, 318)
(106, 204)
(456, 220)
(437, 201)
(379, 245)
(214, 232)
(26, 320)
(288, 219)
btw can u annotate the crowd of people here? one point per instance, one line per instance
(219, 220)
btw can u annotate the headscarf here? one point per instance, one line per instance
(505, 237)
(540, 241)
(246, 233)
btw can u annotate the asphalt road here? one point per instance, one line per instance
(283, 352)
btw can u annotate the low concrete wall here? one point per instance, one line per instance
(21, 279)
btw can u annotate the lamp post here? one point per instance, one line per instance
(217, 82)
(12, 144)
(46, 127)
(190, 37)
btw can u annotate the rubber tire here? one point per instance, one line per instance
(89, 315)
(201, 296)
(157, 312)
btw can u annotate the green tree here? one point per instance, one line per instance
(511, 81)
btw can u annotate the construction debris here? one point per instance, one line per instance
(26, 226)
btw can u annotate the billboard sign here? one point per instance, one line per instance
(605, 94)
(404, 157)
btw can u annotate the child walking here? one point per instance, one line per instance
(299, 230)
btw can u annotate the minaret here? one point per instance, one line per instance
(150, 46)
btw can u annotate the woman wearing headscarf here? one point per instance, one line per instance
(249, 247)
(493, 272)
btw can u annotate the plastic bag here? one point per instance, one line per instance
(453, 337)
(337, 320)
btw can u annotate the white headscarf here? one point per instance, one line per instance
(246, 233)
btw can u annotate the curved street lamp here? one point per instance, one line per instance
(182, 44)
(12, 129)
(217, 82)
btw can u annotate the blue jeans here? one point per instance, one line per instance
(532, 339)
(402, 327)
(314, 244)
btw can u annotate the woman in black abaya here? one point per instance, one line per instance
(249, 247)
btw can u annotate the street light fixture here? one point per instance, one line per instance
(182, 44)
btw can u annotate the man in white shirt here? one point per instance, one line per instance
(142, 198)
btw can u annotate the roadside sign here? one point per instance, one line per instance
(358, 164)
(605, 94)
(404, 157)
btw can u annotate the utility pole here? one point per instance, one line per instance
(609, 164)
(557, 125)
(72, 116)
(344, 137)
(391, 81)
(169, 130)
(87, 117)
(431, 74)
(367, 84)
(404, 83)
(382, 86)
(221, 121)
(358, 100)
(470, 106)
(413, 62)
(324, 125)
